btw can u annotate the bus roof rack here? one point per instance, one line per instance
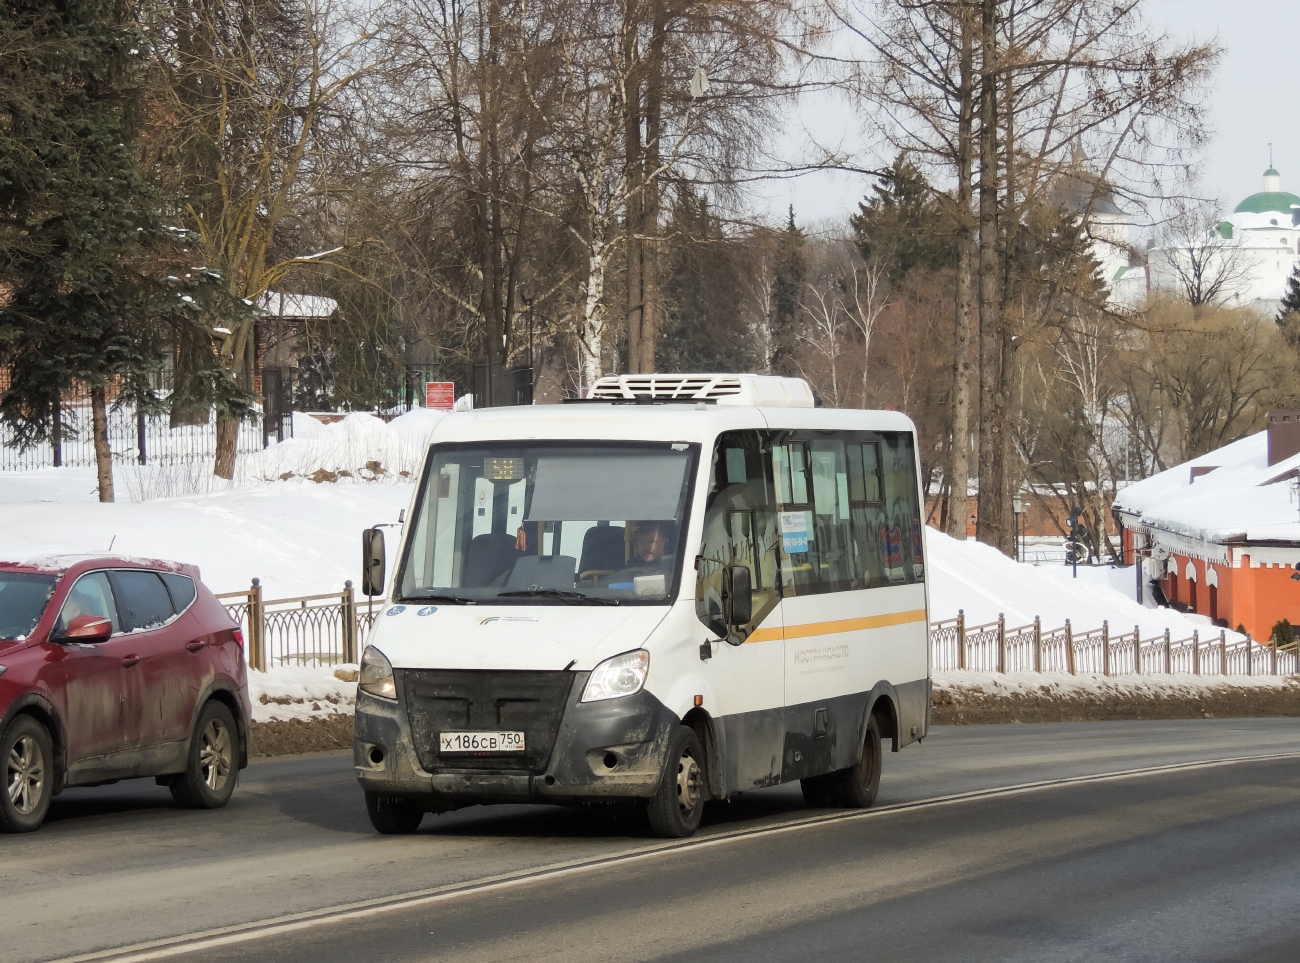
(766, 391)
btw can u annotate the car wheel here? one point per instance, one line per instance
(677, 806)
(213, 767)
(28, 756)
(393, 815)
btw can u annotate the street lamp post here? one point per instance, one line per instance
(1017, 510)
(1074, 540)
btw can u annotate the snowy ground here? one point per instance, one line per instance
(302, 536)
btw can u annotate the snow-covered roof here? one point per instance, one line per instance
(1243, 498)
(281, 305)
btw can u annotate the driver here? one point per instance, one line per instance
(653, 545)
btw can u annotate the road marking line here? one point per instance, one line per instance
(308, 919)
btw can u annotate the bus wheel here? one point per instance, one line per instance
(676, 807)
(393, 815)
(852, 788)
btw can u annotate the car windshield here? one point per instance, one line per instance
(550, 523)
(23, 597)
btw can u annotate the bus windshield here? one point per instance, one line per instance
(594, 523)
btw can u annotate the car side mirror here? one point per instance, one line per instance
(737, 595)
(88, 628)
(373, 561)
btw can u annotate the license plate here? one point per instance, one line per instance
(480, 742)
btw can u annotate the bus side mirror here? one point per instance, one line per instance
(373, 561)
(737, 595)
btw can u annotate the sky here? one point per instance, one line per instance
(1252, 104)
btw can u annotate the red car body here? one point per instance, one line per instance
(126, 705)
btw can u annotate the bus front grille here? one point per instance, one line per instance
(458, 700)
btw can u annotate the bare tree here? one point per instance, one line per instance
(244, 90)
(1196, 260)
(1046, 76)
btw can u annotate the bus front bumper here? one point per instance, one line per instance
(603, 751)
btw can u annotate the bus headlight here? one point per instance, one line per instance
(376, 677)
(623, 675)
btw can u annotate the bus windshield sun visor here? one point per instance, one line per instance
(607, 485)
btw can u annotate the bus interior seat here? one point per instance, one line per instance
(543, 572)
(490, 557)
(604, 549)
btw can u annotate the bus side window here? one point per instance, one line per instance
(902, 510)
(739, 529)
(859, 525)
(866, 514)
(834, 542)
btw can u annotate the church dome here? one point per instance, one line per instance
(1267, 201)
(1271, 199)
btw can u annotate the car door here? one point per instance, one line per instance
(166, 687)
(89, 682)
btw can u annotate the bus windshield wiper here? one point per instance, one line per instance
(561, 594)
(440, 597)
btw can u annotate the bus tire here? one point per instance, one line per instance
(819, 791)
(852, 788)
(675, 810)
(393, 815)
(859, 784)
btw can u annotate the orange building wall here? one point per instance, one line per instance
(1254, 598)
(1267, 596)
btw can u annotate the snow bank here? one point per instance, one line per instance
(1063, 684)
(358, 447)
(299, 693)
(298, 537)
(983, 582)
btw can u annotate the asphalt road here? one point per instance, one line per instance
(1189, 863)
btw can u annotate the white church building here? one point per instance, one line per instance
(1251, 253)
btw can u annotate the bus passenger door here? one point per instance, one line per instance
(749, 674)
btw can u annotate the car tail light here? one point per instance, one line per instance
(239, 637)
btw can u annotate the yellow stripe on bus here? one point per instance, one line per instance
(839, 625)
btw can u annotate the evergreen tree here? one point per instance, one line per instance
(1291, 299)
(75, 218)
(901, 225)
(1288, 316)
(787, 288)
(703, 329)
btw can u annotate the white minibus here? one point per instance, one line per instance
(677, 589)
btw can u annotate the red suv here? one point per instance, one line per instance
(113, 668)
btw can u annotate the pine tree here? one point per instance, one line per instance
(902, 226)
(1288, 315)
(787, 285)
(703, 323)
(1291, 299)
(75, 218)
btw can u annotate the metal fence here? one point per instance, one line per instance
(328, 629)
(133, 438)
(995, 647)
(307, 630)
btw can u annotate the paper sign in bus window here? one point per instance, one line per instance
(794, 532)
